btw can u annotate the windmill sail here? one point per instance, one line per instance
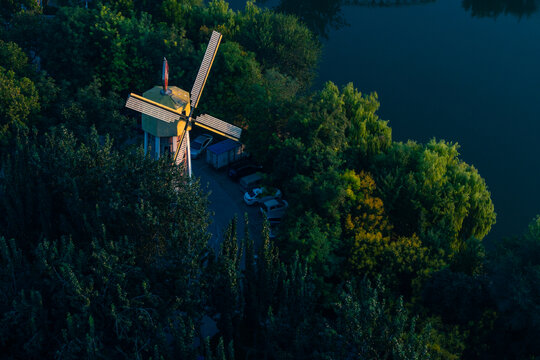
(183, 111)
(180, 156)
(218, 126)
(206, 64)
(151, 108)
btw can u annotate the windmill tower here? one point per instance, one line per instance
(167, 113)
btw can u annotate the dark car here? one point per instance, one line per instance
(241, 169)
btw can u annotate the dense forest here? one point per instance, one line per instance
(104, 252)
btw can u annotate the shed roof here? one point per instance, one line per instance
(223, 146)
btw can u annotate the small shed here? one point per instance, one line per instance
(224, 152)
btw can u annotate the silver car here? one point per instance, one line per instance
(274, 208)
(200, 144)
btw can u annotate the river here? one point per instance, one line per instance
(465, 72)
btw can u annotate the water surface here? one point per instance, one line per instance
(467, 72)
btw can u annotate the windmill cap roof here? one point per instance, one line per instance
(177, 99)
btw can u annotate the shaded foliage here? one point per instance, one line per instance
(19, 101)
(55, 186)
(429, 191)
(81, 44)
(279, 317)
(104, 252)
(519, 8)
(514, 269)
(8, 8)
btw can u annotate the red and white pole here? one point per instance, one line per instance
(165, 76)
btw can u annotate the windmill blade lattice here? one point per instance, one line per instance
(151, 108)
(204, 70)
(167, 114)
(181, 152)
(218, 126)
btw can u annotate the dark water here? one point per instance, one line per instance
(466, 72)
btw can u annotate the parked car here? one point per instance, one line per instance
(274, 208)
(260, 195)
(200, 144)
(250, 182)
(242, 169)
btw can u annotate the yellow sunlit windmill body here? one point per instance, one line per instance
(167, 113)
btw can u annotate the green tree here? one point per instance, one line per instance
(465, 311)
(514, 270)
(28, 30)
(234, 80)
(279, 41)
(19, 103)
(89, 108)
(319, 16)
(61, 187)
(429, 191)
(372, 328)
(10, 7)
(225, 287)
(13, 58)
(370, 247)
(495, 8)
(458, 298)
(33, 105)
(314, 146)
(104, 252)
(179, 12)
(60, 300)
(126, 48)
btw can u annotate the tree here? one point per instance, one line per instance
(8, 8)
(429, 191)
(126, 48)
(267, 115)
(19, 98)
(233, 82)
(319, 16)
(514, 270)
(13, 58)
(61, 187)
(495, 8)
(104, 252)
(458, 298)
(373, 328)
(225, 286)
(364, 219)
(179, 12)
(372, 251)
(31, 106)
(465, 311)
(90, 108)
(280, 41)
(19, 101)
(328, 202)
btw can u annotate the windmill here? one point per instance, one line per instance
(167, 113)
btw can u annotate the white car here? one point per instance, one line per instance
(200, 144)
(260, 195)
(274, 208)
